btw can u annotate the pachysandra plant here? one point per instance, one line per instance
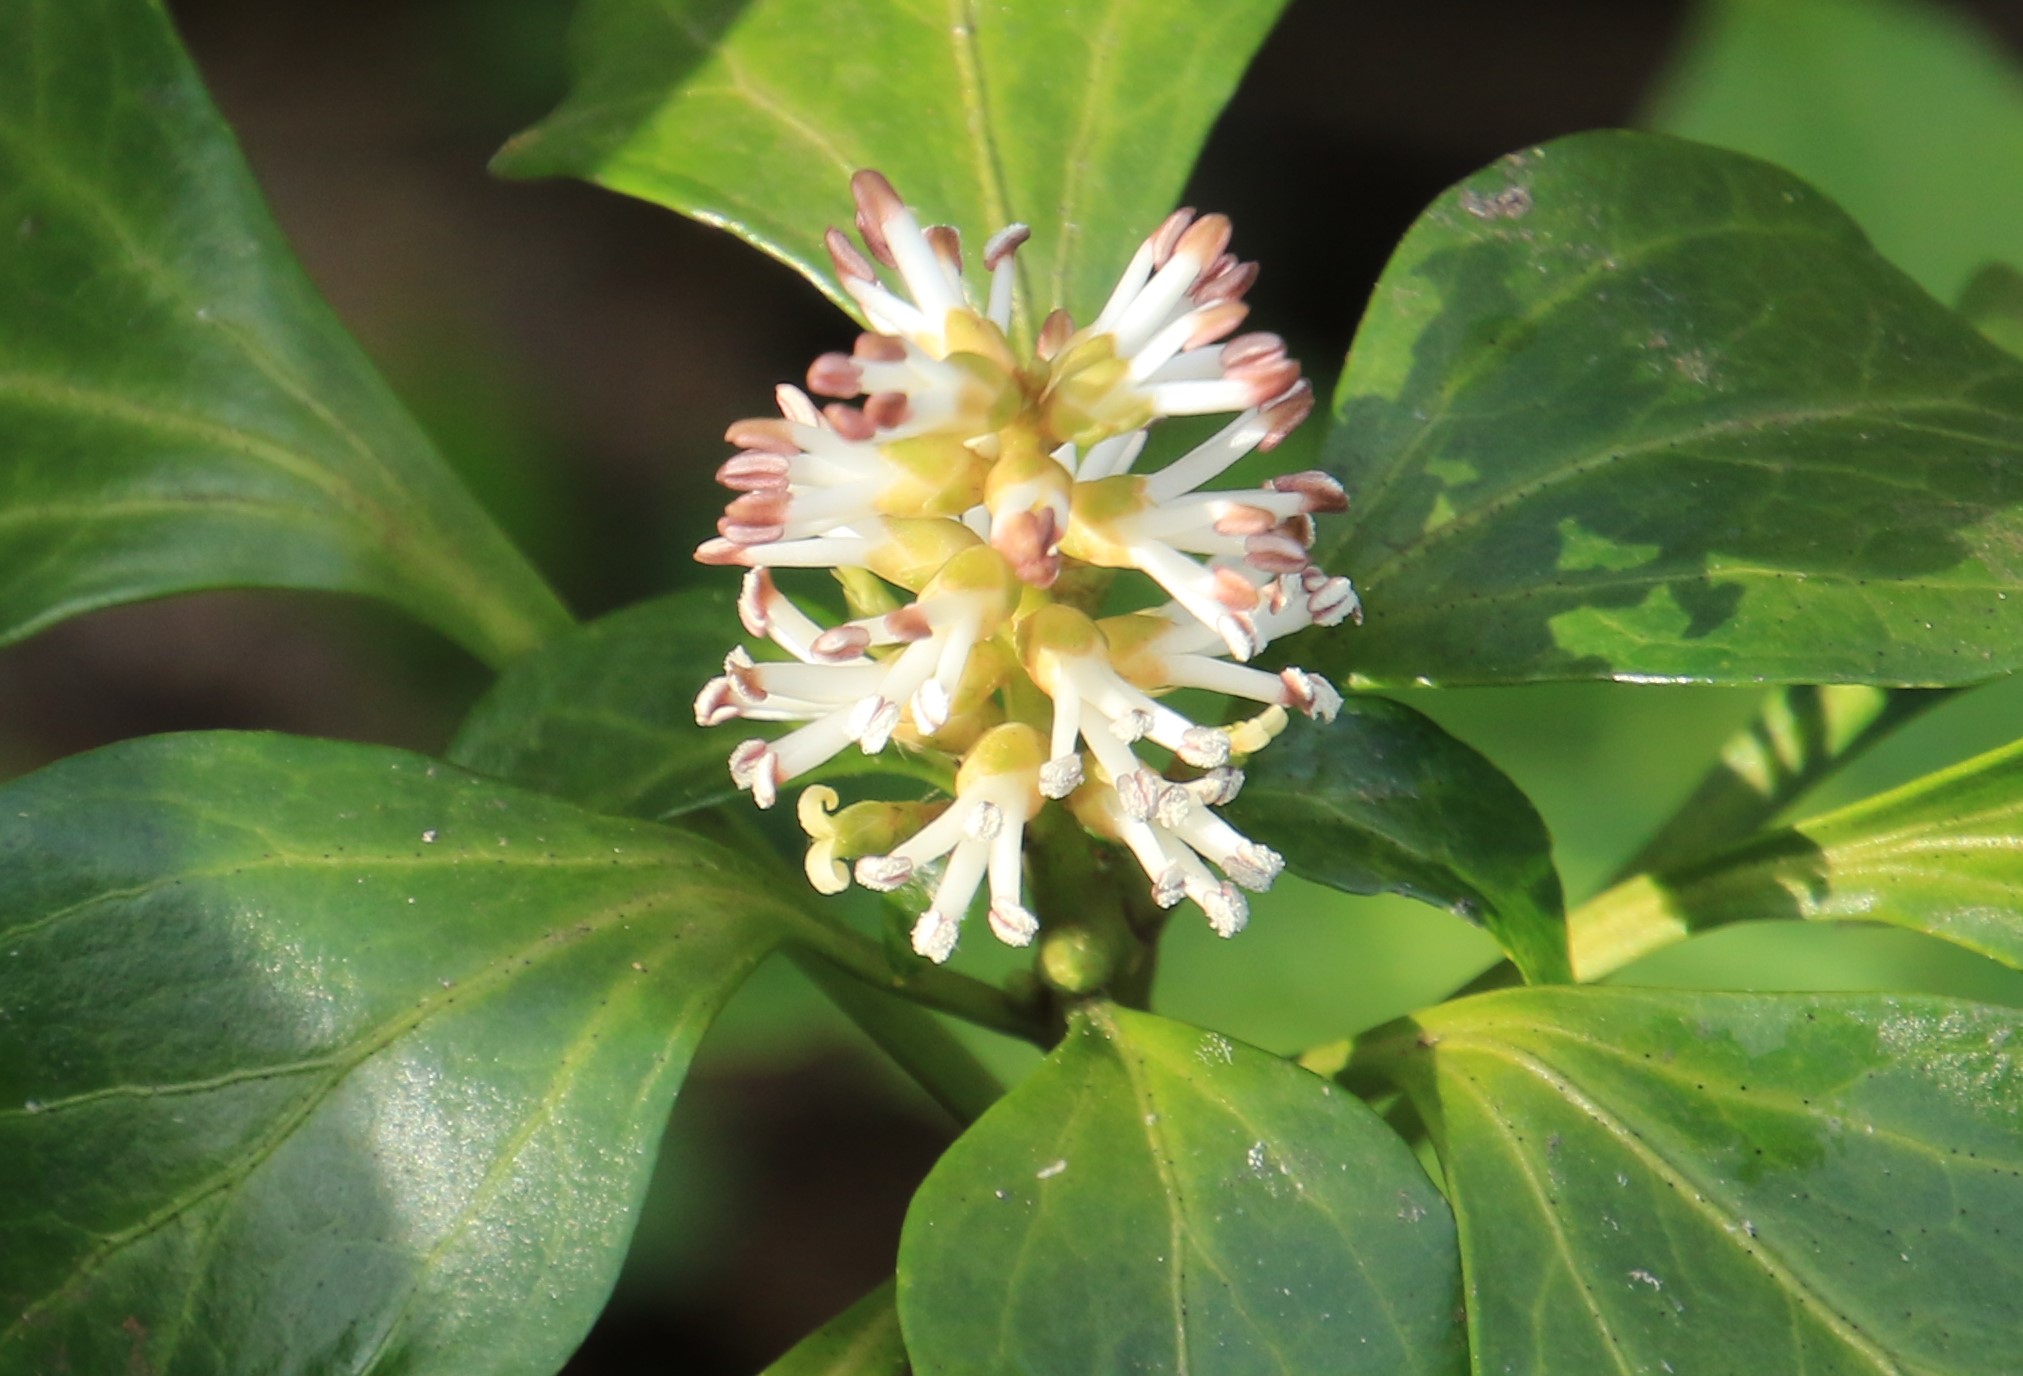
(324, 1057)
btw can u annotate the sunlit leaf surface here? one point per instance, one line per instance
(321, 1057)
(1158, 1198)
(1081, 119)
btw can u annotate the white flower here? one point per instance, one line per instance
(970, 496)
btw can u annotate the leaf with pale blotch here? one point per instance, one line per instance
(1628, 407)
(1655, 1179)
(321, 1057)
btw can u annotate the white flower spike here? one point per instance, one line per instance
(951, 483)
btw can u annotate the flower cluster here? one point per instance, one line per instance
(963, 492)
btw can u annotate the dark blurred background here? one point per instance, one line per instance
(578, 356)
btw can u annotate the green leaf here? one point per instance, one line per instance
(330, 1057)
(861, 1341)
(1908, 114)
(1628, 407)
(605, 714)
(1382, 800)
(1081, 119)
(179, 408)
(1993, 300)
(1653, 1179)
(1157, 1198)
(1942, 855)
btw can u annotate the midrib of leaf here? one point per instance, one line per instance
(55, 395)
(489, 979)
(1005, 1344)
(1688, 1188)
(1580, 466)
(1506, 1136)
(1102, 53)
(990, 176)
(1176, 1228)
(1181, 1071)
(176, 291)
(539, 1115)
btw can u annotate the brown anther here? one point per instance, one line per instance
(1250, 350)
(1167, 236)
(946, 241)
(1204, 240)
(908, 624)
(1234, 591)
(1300, 528)
(888, 410)
(840, 643)
(1319, 492)
(1030, 543)
(739, 533)
(849, 422)
(723, 553)
(742, 677)
(768, 508)
(1003, 245)
(835, 375)
(850, 264)
(753, 471)
(1299, 690)
(1245, 520)
(1284, 415)
(1055, 331)
(877, 204)
(763, 434)
(1274, 553)
(1265, 381)
(878, 348)
(1213, 322)
(1227, 286)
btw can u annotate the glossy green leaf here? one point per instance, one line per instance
(1652, 1180)
(1943, 856)
(1381, 800)
(178, 408)
(321, 1057)
(1158, 1198)
(1907, 112)
(861, 1341)
(605, 714)
(1629, 407)
(1081, 119)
